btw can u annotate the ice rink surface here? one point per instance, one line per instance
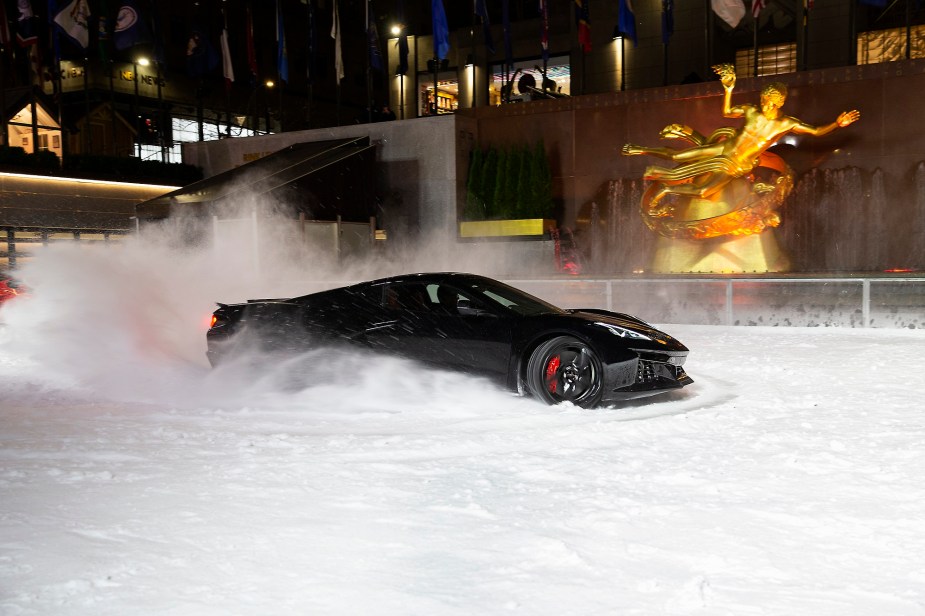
(133, 480)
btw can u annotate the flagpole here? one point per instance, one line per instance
(112, 110)
(4, 140)
(708, 36)
(310, 60)
(88, 138)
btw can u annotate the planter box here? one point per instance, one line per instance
(523, 228)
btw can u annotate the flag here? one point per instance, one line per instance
(757, 7)
(482, 11)
(544, 34)
(730, 11)
(583, 19)
(282, 55)
(372, 39)
(201, 56)
(251, 48)
(402, 40)
(441, 30)
(102, 31)
(26, 29)
(338, 56)
(73, 20)
(626, 20)
(227, 66)
(878, 3)
(131, 28)
(667, 20)
(4, 28)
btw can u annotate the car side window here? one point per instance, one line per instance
(405, 297)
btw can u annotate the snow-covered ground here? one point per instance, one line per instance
(133, 480)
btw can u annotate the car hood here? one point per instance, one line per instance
(659, 339)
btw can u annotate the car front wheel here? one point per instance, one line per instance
(564, 369)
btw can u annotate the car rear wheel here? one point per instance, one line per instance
(564, 369)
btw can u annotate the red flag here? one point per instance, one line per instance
(583, 18)
(251, 50)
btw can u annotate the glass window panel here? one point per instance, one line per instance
(772, 60)
(890, 45)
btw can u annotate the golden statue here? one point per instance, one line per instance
(718, 189)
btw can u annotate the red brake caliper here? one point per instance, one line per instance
(552, 369)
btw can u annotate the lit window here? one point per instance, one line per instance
(447, 93)
(890, 45)
(772, 60)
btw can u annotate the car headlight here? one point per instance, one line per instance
(623, 332)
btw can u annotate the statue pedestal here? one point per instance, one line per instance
(756, 253)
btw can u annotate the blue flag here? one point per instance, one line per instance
(201, 56)
(441, 30)
(626, 21)
(372, 39)
(282, 55)
(131, 28)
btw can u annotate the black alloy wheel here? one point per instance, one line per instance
(564, 369)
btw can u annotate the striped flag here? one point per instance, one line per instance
(757, 7)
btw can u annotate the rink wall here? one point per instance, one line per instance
(797, 302)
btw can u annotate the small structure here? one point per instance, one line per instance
(31, 125)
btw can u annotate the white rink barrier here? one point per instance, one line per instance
(889, 302)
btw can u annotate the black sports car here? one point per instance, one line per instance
(468, 323)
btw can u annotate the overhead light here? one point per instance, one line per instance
(269, 83)
(396, 30)
(617, 35)
(143, 62)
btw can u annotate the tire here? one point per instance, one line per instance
(564, 369)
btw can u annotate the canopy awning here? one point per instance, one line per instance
(322, 179)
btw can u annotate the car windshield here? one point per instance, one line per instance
(499, 294)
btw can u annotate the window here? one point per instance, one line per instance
(184, 130)
(772, 60)
(529, 74)
(447, 93)
(890, 45)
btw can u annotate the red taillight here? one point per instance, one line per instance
(213, 322)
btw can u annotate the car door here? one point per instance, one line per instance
(463, 334)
